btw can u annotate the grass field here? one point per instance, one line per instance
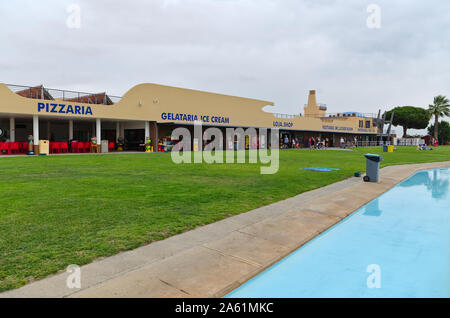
(63, 210)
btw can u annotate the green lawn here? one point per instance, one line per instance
(63, 210)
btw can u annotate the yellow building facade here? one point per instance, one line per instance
(152, 110)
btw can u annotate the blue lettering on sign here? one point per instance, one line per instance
(64, 109)
(285, 124)
(337, 128)
(194, 118)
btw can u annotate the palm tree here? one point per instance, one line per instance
(440, 108)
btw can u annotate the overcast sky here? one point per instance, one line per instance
(275, 50)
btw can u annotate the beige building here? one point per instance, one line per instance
(155, 110)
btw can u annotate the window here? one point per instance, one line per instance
(361, 124)
(367, 123)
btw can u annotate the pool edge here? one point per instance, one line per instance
(421, 167)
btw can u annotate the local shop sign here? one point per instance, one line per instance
(337, 128)
(64, 109)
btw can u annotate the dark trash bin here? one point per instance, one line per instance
(372, 167)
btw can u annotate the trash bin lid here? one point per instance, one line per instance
(376, 158)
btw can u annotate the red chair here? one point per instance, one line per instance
(80, 147)
(23, 147)
(64, 147)
(87, 147)
(74, 146)
(7, 147)
(3, 147)
(111, 146)
(13, 147)
(53, 147)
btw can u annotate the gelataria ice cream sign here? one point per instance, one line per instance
(195, 118)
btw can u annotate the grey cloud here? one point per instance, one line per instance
(270, 49)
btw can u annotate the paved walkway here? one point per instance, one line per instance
(215, 259)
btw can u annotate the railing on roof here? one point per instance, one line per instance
(41, 92)
(327, 116)
(351, 114)
(286, 116)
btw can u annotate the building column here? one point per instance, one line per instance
(147, 130)
(117, 131)
(154, 135)
(122, 130)
(12, 129)
(36, 134)
(70, 129)
(98, 131)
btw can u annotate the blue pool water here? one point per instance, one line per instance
(404, 234)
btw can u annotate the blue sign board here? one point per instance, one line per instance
(64, 109)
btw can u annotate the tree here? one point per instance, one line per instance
(439, 109)
(409, 117)
(444, 132)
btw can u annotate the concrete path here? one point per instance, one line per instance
(215, 259)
